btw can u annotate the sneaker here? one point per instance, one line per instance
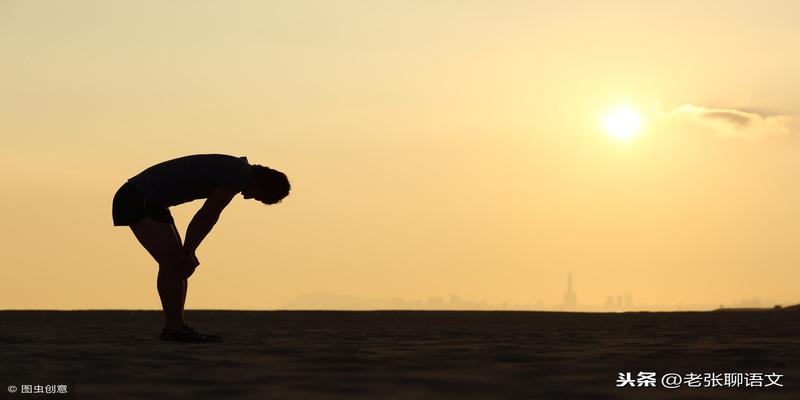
(213, 337)
(187, 334)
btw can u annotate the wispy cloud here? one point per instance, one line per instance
(727, 122)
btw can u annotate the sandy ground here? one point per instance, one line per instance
(397, 354)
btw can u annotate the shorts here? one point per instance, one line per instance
(130, 207)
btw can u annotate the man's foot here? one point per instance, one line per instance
(211, 336)
(187, 334)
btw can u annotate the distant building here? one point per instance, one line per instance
(618, 303)
(569, 296)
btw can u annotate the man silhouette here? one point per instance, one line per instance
(142, 203)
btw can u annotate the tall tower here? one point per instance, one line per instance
(569, 296)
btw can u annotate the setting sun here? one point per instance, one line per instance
(622, 123)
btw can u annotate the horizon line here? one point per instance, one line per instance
(777, 307)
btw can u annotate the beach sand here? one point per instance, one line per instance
(397, 354)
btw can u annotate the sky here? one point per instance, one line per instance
(435, 148)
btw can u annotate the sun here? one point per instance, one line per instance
(622, 123)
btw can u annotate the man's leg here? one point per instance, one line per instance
(159, 240)
(171, 291)
(185, 290)
(185, 280)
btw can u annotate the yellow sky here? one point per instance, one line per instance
(434, 148)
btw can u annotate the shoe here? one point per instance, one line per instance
(210, 336)
(187, 334)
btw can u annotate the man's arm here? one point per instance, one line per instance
(206, 217)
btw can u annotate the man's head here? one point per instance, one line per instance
(266, 185)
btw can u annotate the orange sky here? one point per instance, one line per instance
(434, 148)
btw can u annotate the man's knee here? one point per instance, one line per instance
(171, 259)
(172, 268)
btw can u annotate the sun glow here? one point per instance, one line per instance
(622, 123)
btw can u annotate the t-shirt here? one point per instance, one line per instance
(188, 178)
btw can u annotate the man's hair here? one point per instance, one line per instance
(275, 185)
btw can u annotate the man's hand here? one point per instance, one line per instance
(191, 262)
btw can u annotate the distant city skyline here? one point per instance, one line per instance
(456, 302)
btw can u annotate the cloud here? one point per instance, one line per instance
(734, 123)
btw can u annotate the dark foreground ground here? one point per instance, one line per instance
(397, 354)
